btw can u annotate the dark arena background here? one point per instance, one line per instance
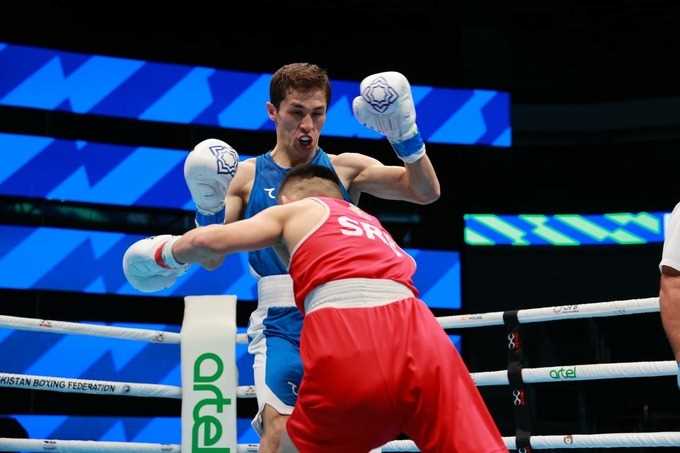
(554, 130)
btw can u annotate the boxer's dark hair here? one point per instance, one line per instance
(309, 171)
(300, 77)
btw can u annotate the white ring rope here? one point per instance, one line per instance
(121, 333)
(581, 372)
(77, 328)
(613, 440)
(82, 446)
(591, 310)
(487, 378)
(96, 387)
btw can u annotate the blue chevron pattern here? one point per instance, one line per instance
(621, 228)
(438, 277)
(44, 167)
(85, 357)
(94, 84)
(90, 261)
(166, 430)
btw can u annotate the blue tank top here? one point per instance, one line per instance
(268, 177)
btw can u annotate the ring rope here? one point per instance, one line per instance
(611, 440)
(83, 446)
(581, 372)
(97, 387)
(122, 333)
(485, 378)
(531, 315)
(597, 309)
(77, 328)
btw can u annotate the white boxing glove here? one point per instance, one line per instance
(208, 171)
(386, 106)
(149, 264)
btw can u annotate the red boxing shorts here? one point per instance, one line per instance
(372, 373)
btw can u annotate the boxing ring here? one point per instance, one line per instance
(195, 338)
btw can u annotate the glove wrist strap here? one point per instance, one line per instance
(410, 150)
(164, 257)
(205, 219)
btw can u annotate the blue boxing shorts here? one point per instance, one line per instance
(274, 334)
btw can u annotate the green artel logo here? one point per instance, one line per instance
(562, 373)
(209, 424)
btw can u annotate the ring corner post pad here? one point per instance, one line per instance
(209, 374)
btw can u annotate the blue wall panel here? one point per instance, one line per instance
(95, 84)
(165, 430)
(44, 167)
(86, 357)
(90, 261)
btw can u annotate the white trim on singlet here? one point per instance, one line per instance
(356, 293)
(312, 231)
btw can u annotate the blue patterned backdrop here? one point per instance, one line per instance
(90, 261)
(85, 357)
(165, 430)
(95, 84)
(75, 170)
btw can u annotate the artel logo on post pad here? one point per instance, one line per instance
(207, 429)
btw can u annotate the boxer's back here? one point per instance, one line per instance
(348, 244)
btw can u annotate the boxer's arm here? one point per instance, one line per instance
(385, 105)
(415, 182)
(213, 242)
(669, 294)
(234, 203)
(669, 298)
(239, 191)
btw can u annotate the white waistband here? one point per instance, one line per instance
(356, 292)
(275, 291)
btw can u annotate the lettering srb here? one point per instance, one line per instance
(353, 227)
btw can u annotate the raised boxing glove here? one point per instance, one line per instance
(386, 106)
(208, 171)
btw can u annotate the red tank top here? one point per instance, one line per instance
(348, 244)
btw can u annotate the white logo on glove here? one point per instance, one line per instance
(223, 166)
(270, 192)
(380, 95)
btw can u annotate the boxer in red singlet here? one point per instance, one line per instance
(376, 362)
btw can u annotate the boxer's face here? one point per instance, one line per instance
(299, 120)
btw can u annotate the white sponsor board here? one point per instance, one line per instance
(209, 375)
